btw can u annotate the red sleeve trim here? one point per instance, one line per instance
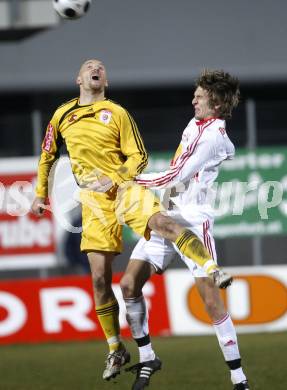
(182, 160)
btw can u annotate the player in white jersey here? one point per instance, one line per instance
(187, 190)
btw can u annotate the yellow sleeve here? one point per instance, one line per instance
(50, 153)
(132, 148)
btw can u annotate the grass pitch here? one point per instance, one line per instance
(189, 363)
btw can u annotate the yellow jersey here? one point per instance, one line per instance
(101, 138)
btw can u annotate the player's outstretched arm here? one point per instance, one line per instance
(186, 167)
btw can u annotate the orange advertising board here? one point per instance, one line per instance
(59, 309)
(256, 301)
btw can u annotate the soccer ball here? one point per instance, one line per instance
(71, 9)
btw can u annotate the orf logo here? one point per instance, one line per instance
(251, 300)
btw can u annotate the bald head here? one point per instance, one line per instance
(91, 62)
(92, 76)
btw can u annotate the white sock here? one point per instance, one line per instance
(237, 376)
(227, 340)
(137, 318)
(146, 353)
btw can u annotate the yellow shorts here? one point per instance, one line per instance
(104, 214)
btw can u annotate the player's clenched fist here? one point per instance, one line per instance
(38, 206)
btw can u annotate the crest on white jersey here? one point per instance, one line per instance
(105, 116)
(185, 136)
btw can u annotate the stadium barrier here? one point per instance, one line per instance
(62, 309)
(25, 240)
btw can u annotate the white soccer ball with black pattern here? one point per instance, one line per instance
(71, 9)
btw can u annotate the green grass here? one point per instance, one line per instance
(189, 363)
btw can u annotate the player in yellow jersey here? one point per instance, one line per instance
(106, 153)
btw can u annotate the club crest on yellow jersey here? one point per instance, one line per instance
(105, 116)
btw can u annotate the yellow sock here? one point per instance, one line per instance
(108, 316)
(191, 246)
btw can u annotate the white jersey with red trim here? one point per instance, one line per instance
(194, 168)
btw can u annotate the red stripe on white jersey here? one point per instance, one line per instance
(204, 234)
(176, 169)
(183, 158)
(206, 238)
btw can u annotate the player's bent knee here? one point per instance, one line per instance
(210, 305)
(100, 283)
(128, 285)
(214, 309)
(163, 224)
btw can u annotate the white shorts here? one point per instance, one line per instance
(160, 252)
